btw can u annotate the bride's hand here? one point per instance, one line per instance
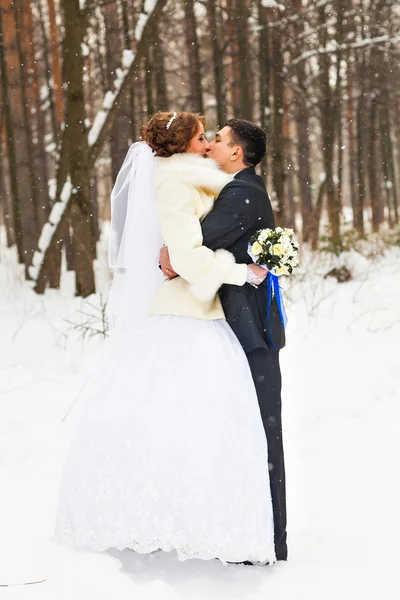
(258, 272)
(165, 264)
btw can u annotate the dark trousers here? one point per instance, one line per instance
(266, 373)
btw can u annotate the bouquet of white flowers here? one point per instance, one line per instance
(275, 249)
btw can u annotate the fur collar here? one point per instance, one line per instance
(191, 169)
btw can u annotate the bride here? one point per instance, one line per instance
(170, 451)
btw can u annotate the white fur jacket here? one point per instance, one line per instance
(187, 185)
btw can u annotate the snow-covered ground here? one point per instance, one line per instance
(341, 374)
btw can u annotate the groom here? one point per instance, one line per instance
(242, 208)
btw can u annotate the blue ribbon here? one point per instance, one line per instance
(273, 287)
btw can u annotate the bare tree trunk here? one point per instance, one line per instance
(48, 70)
(387, 134)
(388, 166)
(193, 53)
(99, 27)
(160, 87)
(232, 68)
(352, 164)
(372, 166)
(22, 38)
(309, 223)
(54, 77)
(54, 274)
(5, 192)
(396, 138)
(130, 93)
(148, 78)
(218, 64)
(83, 239)
(359, 216)
(265, 76)
(56, 69)
(376, 89)
(338, 100)
(289, 193)
(242, 12)
(278, 158)
(304, 172)
(328, 127)
(51, 53)
(119, 135)
(291, 205)
(56, 97)
(20, 131)
(38, 118)
(318, 213)
(12, 159)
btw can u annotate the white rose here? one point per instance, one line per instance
(287, 250)
(285, 239)
(263, 236)
(278, 229)
(256, 249)
(283, 270)
(285, 260)
(277, 249)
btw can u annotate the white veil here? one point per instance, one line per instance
(133, 252)
(135, 240)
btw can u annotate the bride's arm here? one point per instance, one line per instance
(204, 269)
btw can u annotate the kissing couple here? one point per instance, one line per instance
(179, 439)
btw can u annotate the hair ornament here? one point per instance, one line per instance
(168, 125)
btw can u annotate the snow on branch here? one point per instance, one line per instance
(382, 39)
(96, 137)
(299, 15)
(272, 4)
(124, 74)
(49, 228)
(110, 97)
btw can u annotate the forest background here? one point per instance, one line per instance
(78, 78)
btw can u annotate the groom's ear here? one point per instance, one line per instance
(237, 153)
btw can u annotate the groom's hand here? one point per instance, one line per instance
(165, 264)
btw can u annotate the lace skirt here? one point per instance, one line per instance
(170, 451)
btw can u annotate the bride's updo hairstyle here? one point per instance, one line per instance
(171, 133)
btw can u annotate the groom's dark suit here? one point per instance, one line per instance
(242, 208)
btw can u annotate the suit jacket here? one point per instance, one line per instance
(186, 186)
(243, 207)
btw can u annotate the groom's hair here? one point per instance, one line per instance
(250, 138)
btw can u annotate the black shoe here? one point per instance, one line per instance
(248, 563)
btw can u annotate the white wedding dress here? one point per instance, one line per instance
(166, 456)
